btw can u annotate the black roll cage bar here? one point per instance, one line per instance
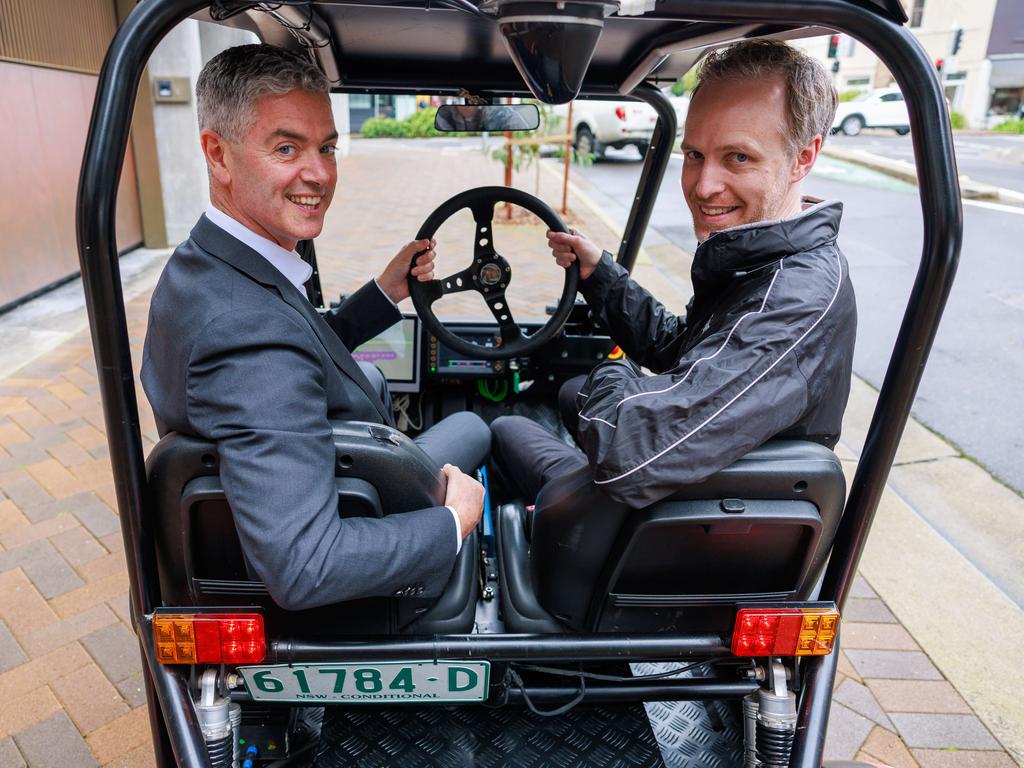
(177, 739)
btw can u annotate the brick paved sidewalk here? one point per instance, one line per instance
(70, 689)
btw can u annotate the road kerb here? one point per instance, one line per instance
(904, 171)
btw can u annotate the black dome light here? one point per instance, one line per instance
(551, 43)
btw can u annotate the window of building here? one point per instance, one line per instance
(1007, 101)
(917, 11)
(853, 82)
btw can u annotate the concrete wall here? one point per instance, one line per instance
(44, 130)
(182, 169)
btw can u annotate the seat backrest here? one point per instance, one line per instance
(757, 531)
(200, 559)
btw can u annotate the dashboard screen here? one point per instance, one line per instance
(396, 352)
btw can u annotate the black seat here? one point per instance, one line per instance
(201, 562)
(757, 531)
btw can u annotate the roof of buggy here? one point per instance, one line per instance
(446, 45)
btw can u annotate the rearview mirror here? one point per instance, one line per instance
(497, 117)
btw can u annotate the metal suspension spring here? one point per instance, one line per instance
(221, 751)
(750, 732)
(774, 745)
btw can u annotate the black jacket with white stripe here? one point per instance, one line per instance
(765, 350)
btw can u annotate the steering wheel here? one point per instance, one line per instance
(489, 275)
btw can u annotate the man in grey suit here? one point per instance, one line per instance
(236, 354)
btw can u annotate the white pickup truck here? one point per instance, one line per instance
(597, 125)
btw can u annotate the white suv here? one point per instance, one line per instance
(878, 109)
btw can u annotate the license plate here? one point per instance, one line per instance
(383, 682)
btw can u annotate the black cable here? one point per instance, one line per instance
(295, 755)
(618, 678)
(304, 27)
(548, 712)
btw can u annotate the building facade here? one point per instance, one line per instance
(50, 58)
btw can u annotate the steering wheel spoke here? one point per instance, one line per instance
(460, 281)
(507, 325)
(483, 241)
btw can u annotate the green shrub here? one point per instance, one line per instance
(418, 125)
(421, 123)
(850, 95)
(957, 120)
(1011, 126)
(377, 127)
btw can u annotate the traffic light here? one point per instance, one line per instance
(833, 46)
(958, 39)
(835, 67)
(938, 65)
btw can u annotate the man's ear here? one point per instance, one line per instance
(804, 160)
(217, 154)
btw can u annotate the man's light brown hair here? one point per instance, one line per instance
(811, 99)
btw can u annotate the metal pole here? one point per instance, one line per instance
(568, 158)
(508, 165)
(655, 690)
(815, 703)
(532, 648)
(97, 251)
(655, 163)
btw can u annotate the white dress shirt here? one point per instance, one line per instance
(297, 272)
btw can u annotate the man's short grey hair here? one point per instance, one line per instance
(811, 98)
(232, 81)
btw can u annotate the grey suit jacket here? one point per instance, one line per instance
(235, 354)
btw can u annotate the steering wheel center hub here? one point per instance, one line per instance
(490, 274)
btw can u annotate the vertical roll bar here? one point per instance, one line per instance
(649, 184)
(173, 722)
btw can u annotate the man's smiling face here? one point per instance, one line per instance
(282, 175)
(737, 167)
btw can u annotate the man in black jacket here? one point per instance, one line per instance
(766, 346)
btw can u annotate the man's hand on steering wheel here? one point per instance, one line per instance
(567, 247)
(393, 280)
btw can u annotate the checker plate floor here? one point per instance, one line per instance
(666, 735)
(453, 737)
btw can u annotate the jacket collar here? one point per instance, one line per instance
(288, 263)
(754, 245)
(221, 245)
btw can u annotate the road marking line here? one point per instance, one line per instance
(996, 206)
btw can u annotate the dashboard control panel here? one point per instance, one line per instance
(444, 363)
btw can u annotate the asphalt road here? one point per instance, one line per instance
(996, 159)
(971, 388)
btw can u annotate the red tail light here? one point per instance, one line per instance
(620, 112)
(209, 638)
(785, 631)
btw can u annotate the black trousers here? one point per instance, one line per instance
(529, 455)
(461, 439)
